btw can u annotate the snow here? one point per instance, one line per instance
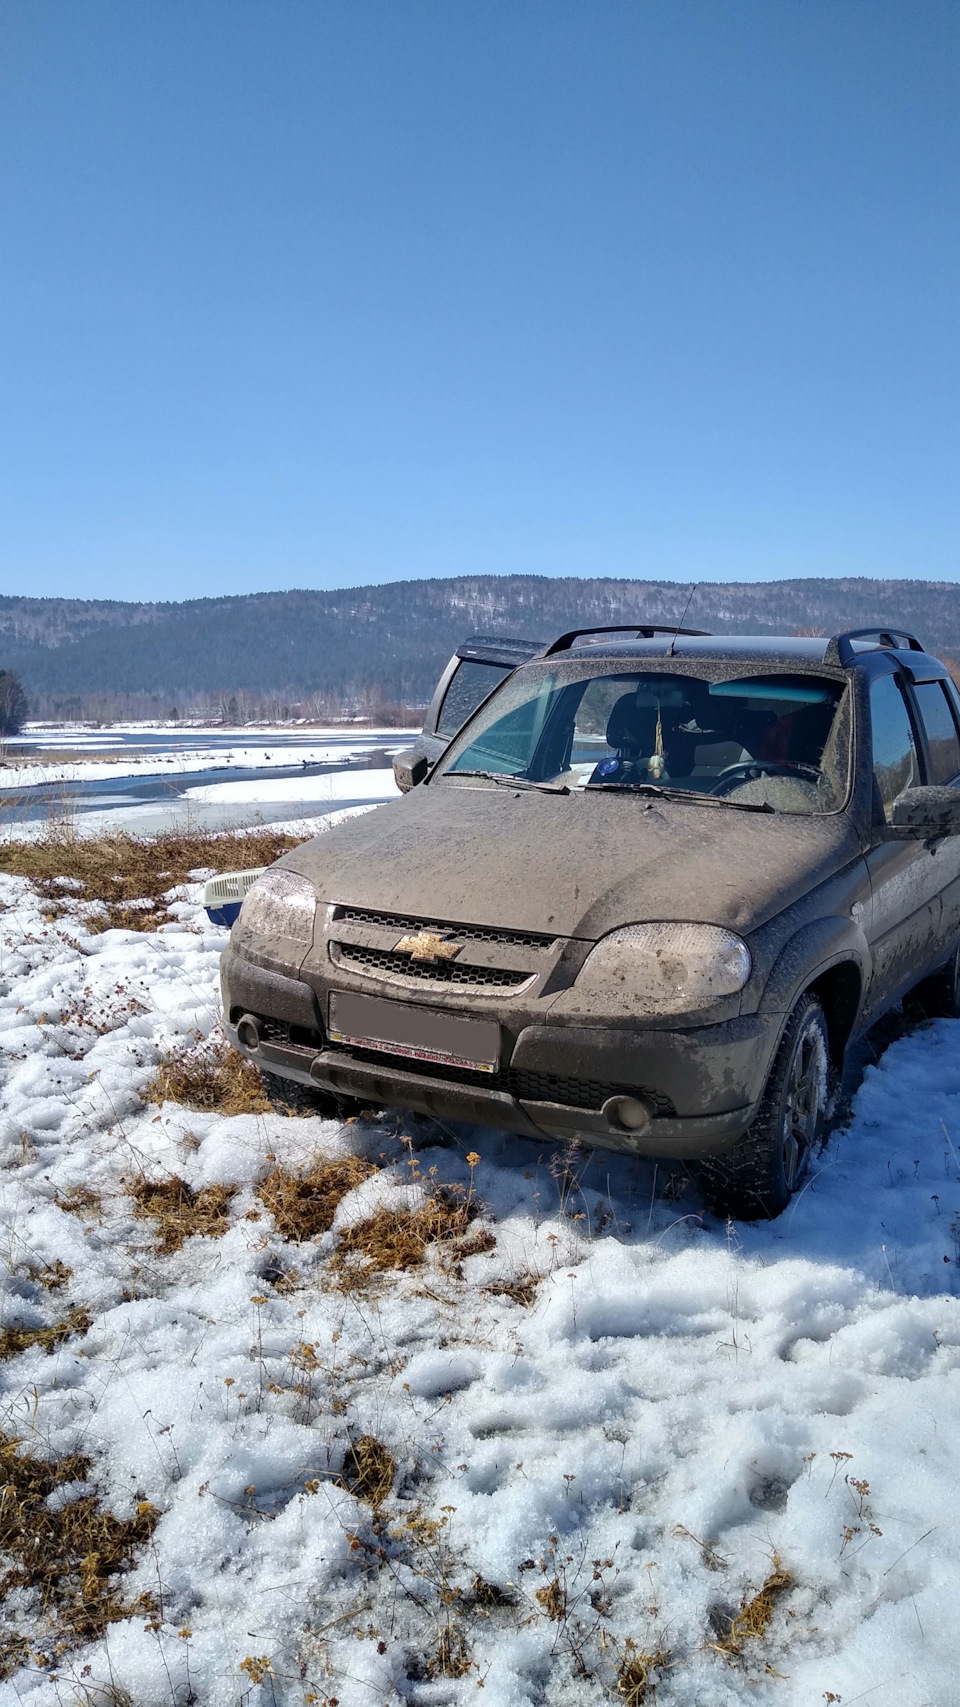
(375, 784)
(186, 755)
(679, 1398)
(151, 820)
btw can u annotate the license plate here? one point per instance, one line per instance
(421, 1034)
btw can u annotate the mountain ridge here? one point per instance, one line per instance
(392, 639)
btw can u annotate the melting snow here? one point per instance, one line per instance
(679, 1402)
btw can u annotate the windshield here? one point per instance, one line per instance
(773, 742)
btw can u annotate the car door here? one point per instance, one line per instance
(478, 666)
(903, 918)
(936, 703)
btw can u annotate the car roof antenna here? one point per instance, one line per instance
(693, 589)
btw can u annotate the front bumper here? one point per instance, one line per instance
(701, 1085)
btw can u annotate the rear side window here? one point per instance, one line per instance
(896, 766)
(469, 688)
(941, 731)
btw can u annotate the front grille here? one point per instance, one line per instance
(429, 972)
(576, 1093)
(464, 933)
(526, 1086)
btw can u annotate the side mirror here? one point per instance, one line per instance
(409, 769)
(923, 814)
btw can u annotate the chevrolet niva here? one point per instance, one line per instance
(645, 897)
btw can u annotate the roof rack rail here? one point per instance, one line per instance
(841, 650)
(646, 631)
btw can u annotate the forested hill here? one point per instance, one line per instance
(393, 639)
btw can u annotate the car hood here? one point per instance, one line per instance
(571, 865)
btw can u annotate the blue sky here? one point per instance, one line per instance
(322, 292)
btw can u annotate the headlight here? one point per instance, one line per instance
(281, 904)
(665, 969)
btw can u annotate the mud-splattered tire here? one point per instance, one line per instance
(755, 1180)
(939, 996)
(286, 1096)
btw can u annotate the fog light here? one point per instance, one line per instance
(629, 1113)
(248, 1032)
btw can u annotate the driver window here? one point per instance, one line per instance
(896, 766)
(470, 686)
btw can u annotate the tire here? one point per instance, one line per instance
(288, 1096)
(939, 996)
(756, 1180)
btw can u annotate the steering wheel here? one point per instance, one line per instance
(734, 776)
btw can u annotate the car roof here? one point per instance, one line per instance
(774, 648)
(830, 652)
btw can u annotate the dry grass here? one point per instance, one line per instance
(15, 1340)
(488, 1597)
(553, 1598)
(68, 756)
(209, 1076)
(400, 1239)
(522, 1290)
(751, 1622)
(303, 1205)
(180, 1212)
(68, 1556)
(634, 1679)
(81, 1201)
(452, 1658)
(128, 877)
(368, 1470)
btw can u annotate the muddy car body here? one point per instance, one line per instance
(743, 852)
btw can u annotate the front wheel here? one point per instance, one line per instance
(755, 1180)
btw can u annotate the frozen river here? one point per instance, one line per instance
(147, 780)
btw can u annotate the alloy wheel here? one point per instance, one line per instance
(804, 1103)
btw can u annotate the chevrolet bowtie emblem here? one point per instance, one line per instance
(427, 945)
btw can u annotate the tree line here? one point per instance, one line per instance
(389, 643)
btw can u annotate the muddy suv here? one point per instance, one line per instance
(645, 899)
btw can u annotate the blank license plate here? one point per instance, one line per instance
(422, 1034)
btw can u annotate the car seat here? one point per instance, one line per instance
(809, 731)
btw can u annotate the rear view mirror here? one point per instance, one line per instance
(926, 813)
(409, 769)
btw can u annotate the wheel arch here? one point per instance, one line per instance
(828, 957)
(839, 990)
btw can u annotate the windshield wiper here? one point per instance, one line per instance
(656, 791)
(515, 781)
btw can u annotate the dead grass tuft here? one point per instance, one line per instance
(478, 1245)
(180, 1212)
(523, 1290)
(15, 1340)
(128, 877)
(487, 1596)
(452, 1658)
(303, 1205)
(54, 1275)
(634, 1679)
(753, 1619)
(68, 1554)
(81, 1201)
(209, 1076)
(400, 1239)
(553, 1598)
(368, 1470)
